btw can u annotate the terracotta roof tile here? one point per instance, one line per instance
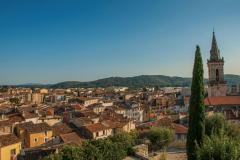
(163, 122)
(223, 100)
(71, 138)
(82, 121)
(180, 128)
(8, 139)
(113, 124)
(61, 129)
(35, 128)
(16, 118)
(29, 115)
(96, 127)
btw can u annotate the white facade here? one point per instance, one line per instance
(135, 112)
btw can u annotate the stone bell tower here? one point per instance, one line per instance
(217, 86)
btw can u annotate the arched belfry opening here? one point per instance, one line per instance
(217, 75)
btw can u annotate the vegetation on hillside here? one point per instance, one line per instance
(14, 100)
(219, 148)
(222, 140)
(132, 82)
(160, 137)
(3, 89)
(215, 124)
(116, 147)
(138, 81)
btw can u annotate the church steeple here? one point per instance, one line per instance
(217, 86)
(214, 52)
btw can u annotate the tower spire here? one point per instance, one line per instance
(214, 52)
(217, 86)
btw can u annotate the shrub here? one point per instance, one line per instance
(160, 137)
(215, 124)
(219, 148)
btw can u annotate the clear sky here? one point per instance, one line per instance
(49, 41)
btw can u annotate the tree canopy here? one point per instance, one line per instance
(112, 148)
(218, 147)
(160, 137)
(215, 124)
(196, 128)
(14, 100)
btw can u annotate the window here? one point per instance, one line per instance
(45, 139)
(217, 75)
(35, 139)
(103, 132)
(96, 134)
(13, 152)
(45, 133)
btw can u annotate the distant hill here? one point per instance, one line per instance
(34, 85)
(140, 81)
(232, 79)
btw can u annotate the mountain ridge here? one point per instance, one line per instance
(135, 81)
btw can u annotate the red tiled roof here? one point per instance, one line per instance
(223, 100)
(163, 122)
(71, 138)
(61, 129)
(5, 123)
(87, 98)
(16, 118)
(113, 124)
(96, 127)
(11, 120)
(29, 115)
(35, 128)
(180, 128)
(8, 139)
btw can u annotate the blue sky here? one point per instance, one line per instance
(49, 41)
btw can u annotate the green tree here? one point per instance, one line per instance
(125, 141)
(233, 130)
(14, 100)
(3, 89)
(160, 137)
(215, 124)
(91, 152)
(107, 149)
(196, 128)
(67, 153)
(219, 148)
(156, 88)
(112, 148)
(53, 157)
(144, 89)
(218, 125)
(71, 153)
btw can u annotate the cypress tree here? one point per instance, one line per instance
(196, 128)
